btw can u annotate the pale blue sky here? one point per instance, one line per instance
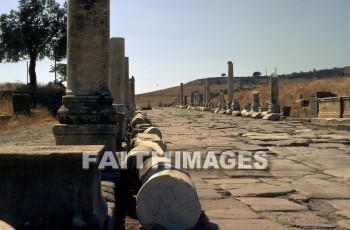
(173, 41)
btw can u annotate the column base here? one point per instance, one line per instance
(86, 110)
(86, 134)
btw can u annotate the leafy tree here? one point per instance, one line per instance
(61, 70)
(257, 74)
(35, 31)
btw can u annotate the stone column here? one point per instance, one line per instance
(207, 93)
(182, 93)
(132, 93)
(175, 100)
(179, 98)
(117, 70)
(204, 93)
(117, 83)
(148, 104)
(185, 100)
(274, 106)
(87, 115)
(230, 85)
(222, 100)
(126, 95)
(255, 103)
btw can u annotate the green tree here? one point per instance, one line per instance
(61, 70)
(257, 74)
(35, 31)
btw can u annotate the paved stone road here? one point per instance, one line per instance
(306, 184)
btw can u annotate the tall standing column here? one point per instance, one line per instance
(126, 95)
(255, 103)
(204, 93)
(132, 94)
(182, 94)
(117, 70)
(87, 115)
(222, 100)
(274, 105)
(230, 85)
(117, 83)
(207, 93)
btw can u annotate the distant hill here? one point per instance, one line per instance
(244, 85)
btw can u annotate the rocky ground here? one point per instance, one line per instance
(306, 184)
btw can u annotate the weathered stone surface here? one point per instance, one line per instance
(344, 224)
(150, 140)
(248, 173)
(303, 220)
(260, 190)
(241, 213)
(226, 224)
(33, 176)
(117, 79)
(86, 134)
(272, 205)
(169, 200)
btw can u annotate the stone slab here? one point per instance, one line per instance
(272, 205)
(260, 190)
(227, 224)
(241, 213)
(307, 220)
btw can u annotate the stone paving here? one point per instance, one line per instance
(306, 184)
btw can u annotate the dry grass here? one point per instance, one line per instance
(39, 116)
(289, 92)
(10, 86)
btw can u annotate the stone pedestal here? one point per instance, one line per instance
(45, 187)
(87, 105)
(346, 107)
(330, 107)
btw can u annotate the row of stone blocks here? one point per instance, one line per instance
(166, 196)
(334, 107)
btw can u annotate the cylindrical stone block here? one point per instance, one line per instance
(168, 200)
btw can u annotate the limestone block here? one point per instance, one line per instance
(86, 134)
(45, 187)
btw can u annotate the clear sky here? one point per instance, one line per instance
(173, 41)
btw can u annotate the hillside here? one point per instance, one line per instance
(290, 87)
